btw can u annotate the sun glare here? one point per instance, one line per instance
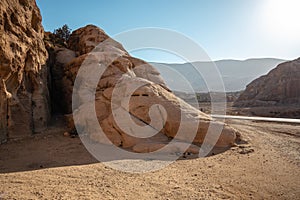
(281, 19)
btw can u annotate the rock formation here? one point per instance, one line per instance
(132, 71)
(23, 85)
(279, 87)
(278, 92)
(27, 73)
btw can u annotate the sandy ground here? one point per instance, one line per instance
(51, 166)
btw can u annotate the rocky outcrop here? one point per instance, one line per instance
(280, 87)
(153, 98)
(276, 94)
(23, 75)
(24, 105)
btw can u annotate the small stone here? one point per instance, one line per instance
(67, 134)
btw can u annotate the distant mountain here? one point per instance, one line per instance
(281, 86)
(276, 94)
(236, 74)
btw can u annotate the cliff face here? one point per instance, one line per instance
(280, 87)
(23, 89)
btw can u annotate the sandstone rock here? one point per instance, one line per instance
(150, 114)
(130, 117)
(84, 40)
(23, 72)
(4, 96)
(279, 87)
(276, 94)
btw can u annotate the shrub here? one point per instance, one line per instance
(63, 33)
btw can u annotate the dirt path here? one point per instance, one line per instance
(55, 167)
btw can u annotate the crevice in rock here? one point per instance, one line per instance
(35, 21)
(54, 77)
(7, 26)
(14, 19)
(24, 3)
(131, 114)
(50, 63)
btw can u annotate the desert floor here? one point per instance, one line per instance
(51, 166)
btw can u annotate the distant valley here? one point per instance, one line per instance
(236, 74)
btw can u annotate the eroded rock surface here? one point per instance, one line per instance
(276, 94)
(152, 104)
(279, 87)
(23, 75)
(142, 120)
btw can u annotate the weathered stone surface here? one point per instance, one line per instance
(4, 97)
(279, 87)
(24, 89)
(276, 94)
(23, 72)
(150, 105)
(85, 39)
(149, 114)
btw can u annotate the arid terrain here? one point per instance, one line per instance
(50, 93)
(51, 166)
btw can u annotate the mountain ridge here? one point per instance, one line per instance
(236, 74)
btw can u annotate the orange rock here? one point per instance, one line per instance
(143, 108)
(23, 59)
(67, 134)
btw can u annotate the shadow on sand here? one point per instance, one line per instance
(51, 150)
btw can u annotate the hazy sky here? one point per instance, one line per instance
(226, 29)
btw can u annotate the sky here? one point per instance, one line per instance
(225, 29)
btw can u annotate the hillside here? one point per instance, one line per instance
(275, 94)
(236, 74)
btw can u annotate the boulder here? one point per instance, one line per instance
(131, 117)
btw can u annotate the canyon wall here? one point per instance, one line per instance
(23, 73)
